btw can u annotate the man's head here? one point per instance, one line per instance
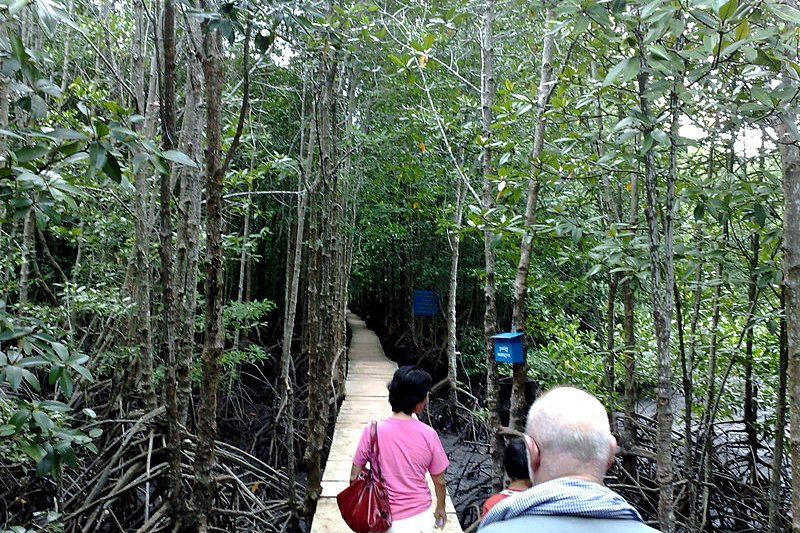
(567, 434)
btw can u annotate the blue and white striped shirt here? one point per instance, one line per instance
(563, 497)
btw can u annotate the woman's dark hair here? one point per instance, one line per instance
(516, 459)
(409, 386)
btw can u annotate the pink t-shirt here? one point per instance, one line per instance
(408, 448)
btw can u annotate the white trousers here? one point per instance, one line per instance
(421, 523)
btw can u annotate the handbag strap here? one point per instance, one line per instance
(374, 456)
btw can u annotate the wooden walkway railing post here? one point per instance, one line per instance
(366, 399)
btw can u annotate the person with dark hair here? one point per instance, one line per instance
(408, 449)
(515, 462)
(570, 449)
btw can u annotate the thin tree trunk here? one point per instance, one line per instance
(187, 242)
(243, 258)
(204, 483)
(750, 392)
(497, 445)
(454, 237)
(776, 504)
(167, 344)
(141, 327)
(28, 256)
(611, 206)
(790, 165)
(518, 401)
(662, 296)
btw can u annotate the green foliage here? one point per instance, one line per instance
(39, 370)
(565, 355)
(245, 316)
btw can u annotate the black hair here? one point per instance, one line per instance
(409, 386)
(515, 460)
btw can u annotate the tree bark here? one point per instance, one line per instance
(454, 238)
(187, 242)
(321, 359)
(141, 327)
(518, 401)
(204, 483)
(790, 166)
(497, 445)
(750, 390)
(167, 344)
(662, 295)
(775, 504)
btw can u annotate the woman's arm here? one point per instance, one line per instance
(440, 487)
(355, 470)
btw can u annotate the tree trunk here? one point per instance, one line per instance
(187, 242)
(322, 359)
(518, 402)
(662, 295)
(497, 445)
(167, 344)
(454, 237)
(750, 391)
(790, 166)
(776, 505)
(141, 328)
(28, 256)
(204, 484)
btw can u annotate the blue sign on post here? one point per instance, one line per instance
(425, 303)
(508, 348)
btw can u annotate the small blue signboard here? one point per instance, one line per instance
(425, 303)
(508, 348)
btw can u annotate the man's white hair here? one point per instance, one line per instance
(573, 424)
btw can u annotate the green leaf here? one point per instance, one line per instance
(13, 376)
(759, 215)
(660, 137)
(97, 156)
(30, 153)
(6, 430)
(742, 30)
(67, 454)
(727, 9)
(67, 134)
(786, 12)
(100, 128)
(111, 168)
(20, 417)
(180, 158)
(43, 421)
(36, 452)
(159, 163)
(38, 107)
(53, 405)
(625, 70)
(66, 384)
(83, 371)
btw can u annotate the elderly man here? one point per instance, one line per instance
(570, 448)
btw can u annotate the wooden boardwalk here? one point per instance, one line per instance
(366, 399)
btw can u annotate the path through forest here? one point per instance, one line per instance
(366, 399)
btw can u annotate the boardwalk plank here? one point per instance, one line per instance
(366, 399)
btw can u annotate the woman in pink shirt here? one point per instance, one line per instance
(407, 450)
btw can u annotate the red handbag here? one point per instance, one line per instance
(365, 503)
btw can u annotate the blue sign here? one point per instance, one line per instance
(425, 303)
(508, 348)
